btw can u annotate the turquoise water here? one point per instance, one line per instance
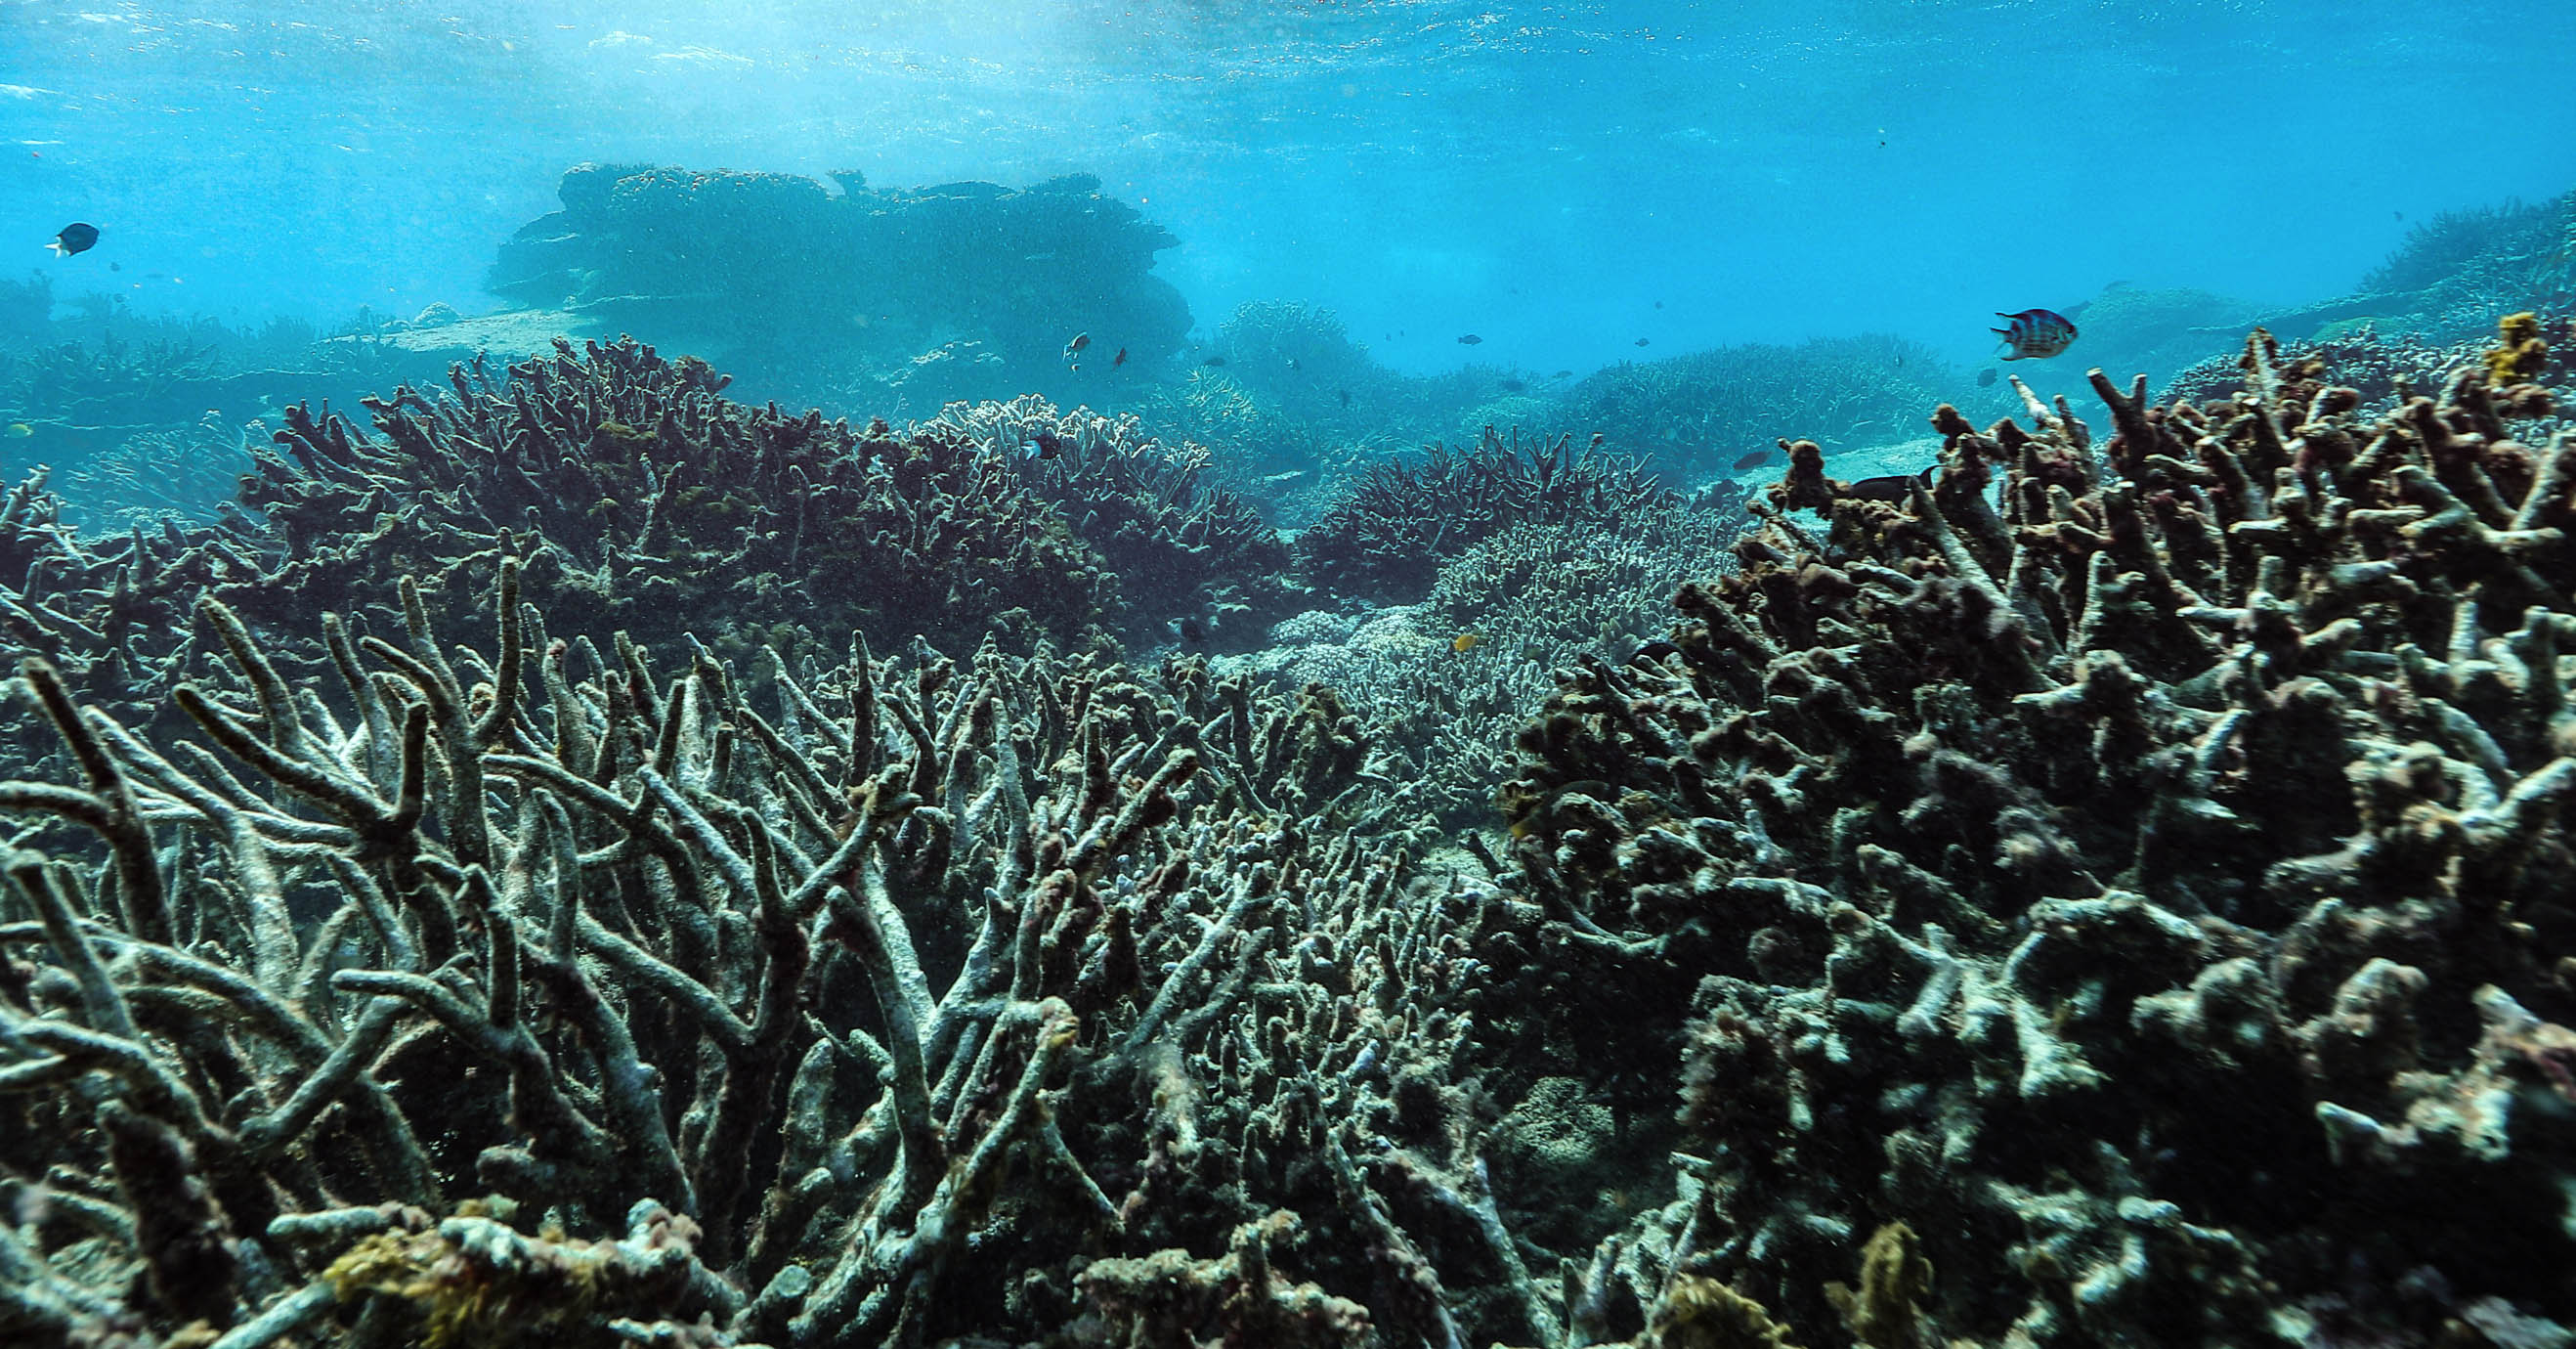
(1418, 680)
(1541, 175)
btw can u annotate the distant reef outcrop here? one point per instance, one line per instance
(927, 293)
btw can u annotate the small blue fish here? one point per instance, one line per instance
(2035, 333)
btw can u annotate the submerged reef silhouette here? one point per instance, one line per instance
(924, 295)
(2141, 867)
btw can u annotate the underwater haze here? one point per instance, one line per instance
(1306, 676)
(1539, 175)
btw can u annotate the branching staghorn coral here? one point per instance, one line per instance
(1697, 414)
(633, 494)
(1181, 547)
(643, 495)
(1401, 519)
(2147, 883)
(1450, 682)
(745, 1017)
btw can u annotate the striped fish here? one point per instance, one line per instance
(2035, 333)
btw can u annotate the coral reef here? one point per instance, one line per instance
(1183, 549)
(746, 1017)
(1400, 520)
(187, 476)
(2140, 869)
(649, 502)
(961, 291)
(1694, 415)
(2386, 366)
(1448, 683)
(637, 497)
(2454, 274)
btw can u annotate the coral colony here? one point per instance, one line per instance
(576, 859)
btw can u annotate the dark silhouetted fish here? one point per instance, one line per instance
(1469, 340)
(1659, 304)
(1513, 386)
(1894, 487)
(116, 266)
(1119, 359)
(1641, 341)
(1346, 397)
(1562, 374)
(1754, 460)
(1213, 360)
(75, 237)
(1049, 444)
(1074, 347)
(2035, 333)
(1653, 653)
(1192, 631)
(1986, 378)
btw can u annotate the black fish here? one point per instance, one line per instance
(1074, 347)
(1659, 304)
(1641, 341)
(1653, 653)
(116, 266)
(1513, 386)
(76, 237)
(1469, 340)
(1213, 360)
(1049, 444)
(1754, 460)
(1120, 359)
(1192, 631)
(1894, 487)
(1986, 378)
